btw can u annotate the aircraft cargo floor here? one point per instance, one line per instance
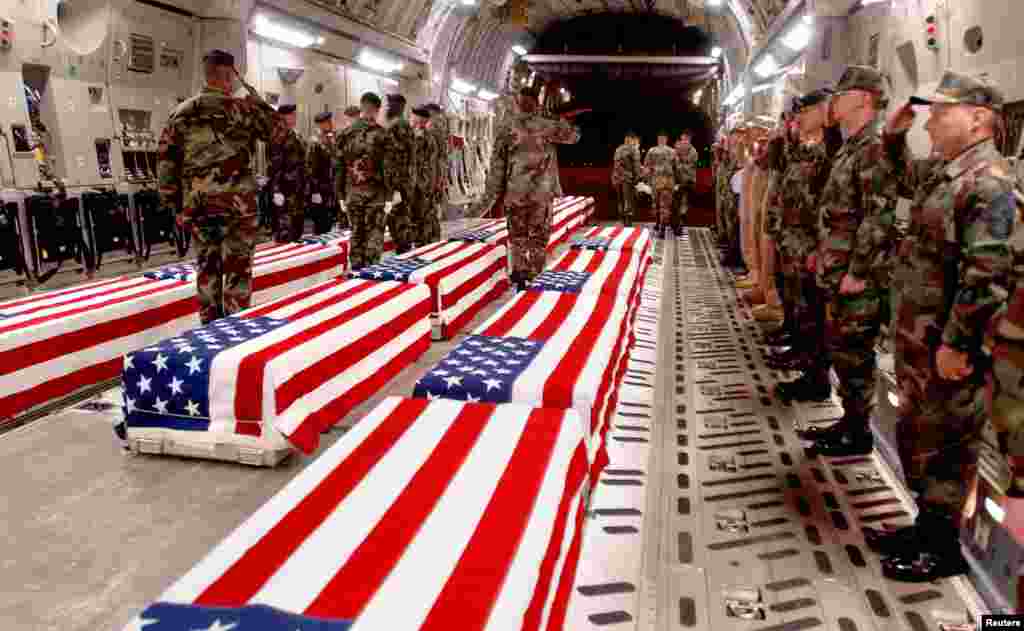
(710, 515)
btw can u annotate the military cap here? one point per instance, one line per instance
(434, 107)
(352, 111)
(323, 117)
(529, 92)
(218, 57)
(961, 89)
(371, 98)
(395, 99)
(286, 109)
(813, 98)
(632, 134)
(862, 78)
(662, 132)
(422, 111)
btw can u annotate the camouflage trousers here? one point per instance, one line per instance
(400, 224)
(342, 219)
(663, 206)
(529, 228)
(323, 215)
(626, 195)
(368, 226)
(291, 222)
(680, 206)
(853, 326)
(224, 250)
(940, 424)
(422, 214)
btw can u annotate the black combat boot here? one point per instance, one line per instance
(793, 358)
(779, 337)
(931, 554)
(816, 432)
(850, 439)
(806, 388)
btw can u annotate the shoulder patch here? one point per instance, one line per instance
(1001, 213)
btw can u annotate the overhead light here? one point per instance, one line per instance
(437, 78)
(378, 63)
(519, 50)
(714, 3)
(767, 66)
(764, 87)
(799, 36)
(463, 87)
(486, 95)
(716, 52)
(262, 26)
(469, 3)
(894, 399)
(737, 94)
(995, 510)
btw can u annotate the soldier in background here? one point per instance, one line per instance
(661, 166)
(352, 116)
(400, 164)
(288, 180)
(625, 175)
(523, 172)
(853, 262)
(685, 180)
(439, 128)
(425, 165)
(950, 279)
(364, 183)
(205, 178)
(320, 162)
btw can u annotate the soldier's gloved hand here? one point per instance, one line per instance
(318, 198)
(396, 199)
(278, 199)
(951, 364)
(387, 208)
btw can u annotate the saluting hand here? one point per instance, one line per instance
(851, 285)
(951, 364)
(901, 120)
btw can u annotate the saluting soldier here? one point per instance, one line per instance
(320, 163)
(205, 177)
(288, 179)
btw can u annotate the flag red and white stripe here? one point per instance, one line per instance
(54, 343)
(620, 237)
(284, 269)
(615, 271)
(570, 214)
(426, 515)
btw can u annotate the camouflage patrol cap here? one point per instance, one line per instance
(352, 111)
(369, 98)
(218, 57)
(286, 109)
(813, 98)
(961, 89)
(530, 92)
(395, 99)
(434, 107)
(323, 117)
(662, 132)
(421, 111)
(862, 78)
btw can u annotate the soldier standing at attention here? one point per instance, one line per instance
(320, 166)
(205, 177)
(424, 176)
(288, 180)
(352, 116)
(853, 262)
(525, 173)
(439, 128)
(950, 279)
(365, 183)
(400, 165)
(625, 174)
(661, 166)
(685, 180)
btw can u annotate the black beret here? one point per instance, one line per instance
(323, 117)
(815, 97)
(395, 99)
(434, 107)
(219, 57)
(632, 134)
(663, 133)
(352, 111)
(371, 98)
(286, 109)
(530, 92)
(422, 110)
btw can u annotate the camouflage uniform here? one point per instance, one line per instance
(439, 129)
(320, 162)
(204, 174)
(685, 179)
(727, 211)
(288, 177)
(400, 163)
(365, 183)
(425, 165)
(661, 166)
(625, 174)
(523, 171)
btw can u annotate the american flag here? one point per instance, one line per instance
(286, 370)
(614, 238)
(463, 277)
(180, 271)
(479, 236)
(173, 617)
(57, 342)
(567, 218)
(479, 369)
(426, 515)
(493, 231)
(333, 237)
(559, 280)
(590, 244)
(607, 271)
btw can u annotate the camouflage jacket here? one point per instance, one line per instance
(522, 163)
(320, 162)
(1004, 338)
(687, 174)
(425, 161)
(661, 166)
(363, 164)
(724, 169)
(439, 129)
(793, 212)
(951, 267)
(287, 168)
(206, 152)
(626, 166)
(858, 213)
(400, 158)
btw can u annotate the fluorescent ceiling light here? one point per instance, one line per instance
(519, 50)
(262, 26)
(486, 95)
(378, 63)
(767, 66)
(714, 3)
(798, 37)
(716, 52)
(469, 3)
(463, 87)
(762, 88)
(737, 94)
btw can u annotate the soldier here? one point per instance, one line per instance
(365, 183)
(205, 177)
(288, 180)
(949, 279)
(320, 167)
(661, 166)
(425, 166)
(858, 215)
(625, 174)
(439, 128)
(719, 166)
(400, 165)
(728, 208)
(522, 172)
(685, 180)
(352, 116)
